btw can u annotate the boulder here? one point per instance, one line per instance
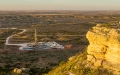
(19, 71)
(15, 70)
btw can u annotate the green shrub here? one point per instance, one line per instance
(107, 25)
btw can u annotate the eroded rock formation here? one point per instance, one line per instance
(104, 47)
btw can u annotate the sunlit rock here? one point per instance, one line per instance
(104, 45)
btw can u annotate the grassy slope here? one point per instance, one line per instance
(77, 65)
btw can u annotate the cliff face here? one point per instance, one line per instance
(104, 47)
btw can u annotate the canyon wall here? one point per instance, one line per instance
(104, 46)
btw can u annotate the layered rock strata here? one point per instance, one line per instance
(104, 47)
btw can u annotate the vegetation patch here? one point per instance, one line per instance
(77, 65)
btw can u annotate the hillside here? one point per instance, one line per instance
(77, 65)
(101, 56)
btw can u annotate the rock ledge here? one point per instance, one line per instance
(104, 47)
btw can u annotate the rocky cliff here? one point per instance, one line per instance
(104, 47)
(102, 56)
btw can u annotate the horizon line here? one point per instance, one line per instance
(64, 10)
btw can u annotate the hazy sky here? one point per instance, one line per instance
(59, 4)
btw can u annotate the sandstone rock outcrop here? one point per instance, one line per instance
(104, 47)
(21, 71)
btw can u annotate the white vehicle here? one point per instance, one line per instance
(55, 45)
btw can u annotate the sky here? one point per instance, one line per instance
(59, 4)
